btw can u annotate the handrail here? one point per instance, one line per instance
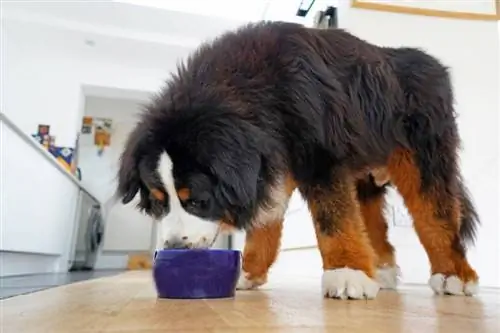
(36, 145)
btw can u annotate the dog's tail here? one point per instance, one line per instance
(469, 218)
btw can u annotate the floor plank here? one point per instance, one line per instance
(290, 303)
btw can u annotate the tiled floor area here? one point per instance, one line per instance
(19, 285)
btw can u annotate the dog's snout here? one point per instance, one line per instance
(178, 243)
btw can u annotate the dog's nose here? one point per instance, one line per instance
(178, 243)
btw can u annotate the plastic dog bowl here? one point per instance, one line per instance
(196, 273)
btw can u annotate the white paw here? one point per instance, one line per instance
(344, 283)
(452, 285)
(388, 277)
(244, 283)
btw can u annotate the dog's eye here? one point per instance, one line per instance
(193, 203)
(196, 203)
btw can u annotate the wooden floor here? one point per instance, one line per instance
(289, 303)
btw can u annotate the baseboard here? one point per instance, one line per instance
(21, 263)
(112, 261)
(299, 248)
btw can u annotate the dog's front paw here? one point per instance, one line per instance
(452, 285)
(345, 283)
(246, 281)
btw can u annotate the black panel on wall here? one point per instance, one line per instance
(331, 12)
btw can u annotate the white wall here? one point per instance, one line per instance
(126, 228)
(99, 172)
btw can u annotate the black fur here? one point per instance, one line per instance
(272, 99)
(367, 189)
(469, 217)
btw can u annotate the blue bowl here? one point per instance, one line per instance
(196, 273)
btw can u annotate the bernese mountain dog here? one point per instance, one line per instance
(275, 107)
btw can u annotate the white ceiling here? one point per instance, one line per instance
(132, 31)
(146, 34)
(120, 20)
(240, 10)
(138, 36)
(134, 52)
(182, 23)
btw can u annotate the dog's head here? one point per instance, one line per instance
(197, 171)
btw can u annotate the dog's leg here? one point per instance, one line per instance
(264, 239)
(348, 258)
(261, 249)
(436, 217)
(371, 197)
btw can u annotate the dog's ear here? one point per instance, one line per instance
(154, 197)
(230, 149)
(138, 172)
(129, 179)
(237, 175)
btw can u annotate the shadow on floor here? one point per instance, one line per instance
(25, 284)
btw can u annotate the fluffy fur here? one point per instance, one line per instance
(272, 107)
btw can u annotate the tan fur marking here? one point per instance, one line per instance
(290, 184)
(225, 227)
(157, 194)
(261, 249)
(437, 236)
(376, 228)
(381, 176)
(183, 194)
(263, 242)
